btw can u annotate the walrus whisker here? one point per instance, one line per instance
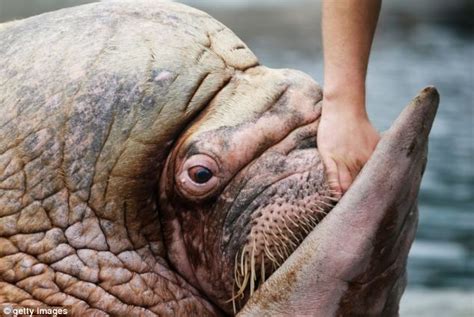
(280, 231)
(274, 265)
(241, 286)
(295, 244)
(300, 234)
(316, 215)
(252, 268)
(246, 264)
(303, 226)
(267, 250)
(288, 251)
(334, 199)
(234, 308)
(262, 269)
(245, 275)
(284, 251)
(314, 218)
(277, 238)
(280, 253)
(312, 221)
(287, 238)
(306, 224)
(292, 221)
(242, 262)
(236, 270)
(318, 208)
(325, 203)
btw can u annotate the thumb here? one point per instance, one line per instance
(332, 175)
(345, 176)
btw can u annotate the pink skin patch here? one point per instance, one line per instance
(164, 75)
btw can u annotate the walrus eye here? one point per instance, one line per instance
(200, 174)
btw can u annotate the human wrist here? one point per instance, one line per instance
(344, 103)
(338, 84)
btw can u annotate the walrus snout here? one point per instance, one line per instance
(284, 197)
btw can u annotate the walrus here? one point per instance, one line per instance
(150, 166)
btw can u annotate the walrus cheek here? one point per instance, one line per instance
(192, 243)
(283, 221)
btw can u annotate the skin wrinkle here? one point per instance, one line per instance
(124, 146)
(29, 277)
(5, 166)
(17, 142)
(198, 85)
(210, 36)
(124, 222)
(106, 138)
(108, 291)
(68, 290)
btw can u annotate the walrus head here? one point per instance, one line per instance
(244, 183)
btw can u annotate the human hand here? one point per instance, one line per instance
(345, 139)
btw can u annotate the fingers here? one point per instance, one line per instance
(340, 174)
(345, 176)
(332, 175)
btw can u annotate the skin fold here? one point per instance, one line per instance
(110, 112)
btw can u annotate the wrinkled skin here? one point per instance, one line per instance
(107, 110)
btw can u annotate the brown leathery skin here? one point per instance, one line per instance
(91, 98)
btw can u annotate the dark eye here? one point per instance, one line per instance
(200, 174)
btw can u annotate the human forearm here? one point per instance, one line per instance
(348, 29)
(346, 138)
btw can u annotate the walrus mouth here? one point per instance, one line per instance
(286, 212)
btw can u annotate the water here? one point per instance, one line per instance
(417, 44)
(443, 253)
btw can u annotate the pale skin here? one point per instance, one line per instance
(346, 138)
